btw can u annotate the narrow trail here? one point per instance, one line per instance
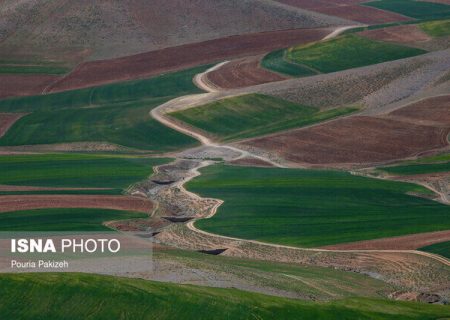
(159, 114)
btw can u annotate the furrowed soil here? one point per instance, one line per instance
(181, 57)
(7, 120)
(24, 85)
(400, 34)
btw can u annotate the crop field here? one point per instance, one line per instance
(22, 85)
(32, 69)
(346, 52)
(253, 115)
(75, 170)
(313, 208)
(436, 28)
(276, 61)
(442, 249)
(434, 164)
(401, 34)
(415, 9)
(116, 113)
(63, 219)
(28, 296)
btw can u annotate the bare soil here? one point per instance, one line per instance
(32, 188)
(181, 57)
(242, 73)
(29, 202)
(400, 34)
(24, 85)
(7, 120)
(354, 140)
(251, 162)
(409, 242)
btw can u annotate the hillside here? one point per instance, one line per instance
(76, 30)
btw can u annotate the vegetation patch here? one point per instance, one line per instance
(253, 115)
(347, 52)
(75, 170)
(276, 61)
(63, 219)
(415, 9)
(434, 164)
(116, 113)
(436, 28)
(312, 208)
(442, 249)
(83, 296)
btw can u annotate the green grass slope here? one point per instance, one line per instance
(75, 170)
(44, 220)
(347, 52)
(436, 28)
(414, 9)
(311, 208)
(81, 296)
(275, 61)
(116, 113)
(253, 115)
(433, 164)
(442, 249)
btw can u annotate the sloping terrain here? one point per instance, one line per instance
(116, 28)
(104, 297)
(401, 34)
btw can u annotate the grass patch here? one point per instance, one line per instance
(275, 61)
(75, 170)
(116, 113)
(436, 28)
(347, 52)
(442, 249)
(414, 9)
(433, 164)
(63, 219)
(83, 296)
(253, 115)
(33, 69)
(311, 208)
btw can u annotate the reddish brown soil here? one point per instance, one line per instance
(7, 120)
(23, 85)
(177, 58)
(401, 34)
(409, 242)
(436, 110)
(28, 202)
(348, 9)
(251, 162)
(242, 73)
(354, 140)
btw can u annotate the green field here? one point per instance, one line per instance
(32, 69)
(433, 164)
(415, 9)
(82, 296)
(116, 113)
(253, 115)
(442, 249)
(310, 208)
(75, 170)
(347, 52)
(436, 28)
(63, 219)
(275, 61)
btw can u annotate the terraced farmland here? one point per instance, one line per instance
(345, 52)
(414, 9)
(116, 113)
(313, 208)
(63, 219)
(75, 170)
(253, 115)
(102, 297)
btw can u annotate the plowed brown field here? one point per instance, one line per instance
(177, 58)
(7, 120)
(409, 242)
(23, 85)
(436, 110)
(242, 73)
(29, 202)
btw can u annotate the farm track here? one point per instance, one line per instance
(159, 114)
